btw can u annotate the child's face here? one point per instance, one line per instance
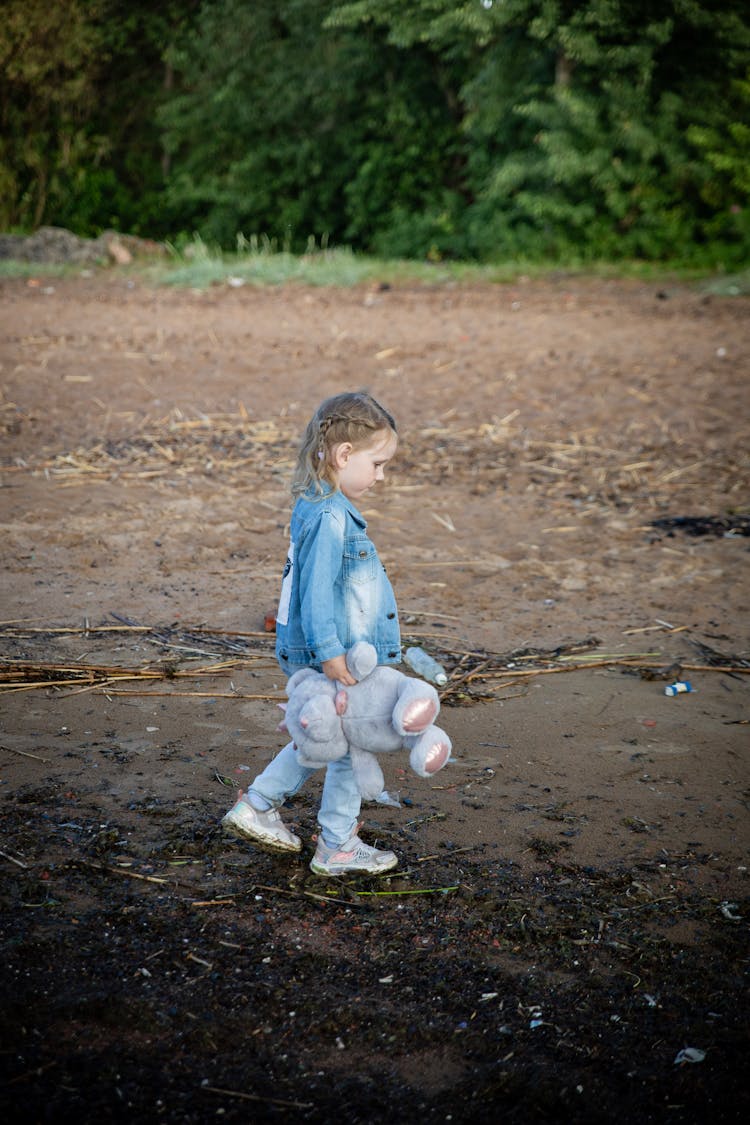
(357, 470)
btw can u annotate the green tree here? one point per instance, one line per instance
(48, 62)
(725, 148)
(80, 81)
(124, 185)
(578, 116)
(610, 170)
(463, 127)
(283, 128)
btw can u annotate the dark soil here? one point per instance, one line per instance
(460, 989)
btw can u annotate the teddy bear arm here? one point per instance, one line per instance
(417, 706)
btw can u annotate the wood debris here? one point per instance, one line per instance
(175, 446)
(180, 647)
(641, 463)
(477, 675)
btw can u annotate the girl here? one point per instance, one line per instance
(334, 592)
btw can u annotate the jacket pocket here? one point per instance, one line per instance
(361, 563)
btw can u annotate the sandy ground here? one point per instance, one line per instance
(148, 437)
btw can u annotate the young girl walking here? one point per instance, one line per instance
(334, 592)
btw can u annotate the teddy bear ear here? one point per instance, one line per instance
(361, 659)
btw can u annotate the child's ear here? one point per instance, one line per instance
(340, 454)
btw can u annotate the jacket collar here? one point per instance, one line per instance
(335, 496)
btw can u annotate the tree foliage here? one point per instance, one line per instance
(48, 63)
(471, 128)
(592, 128)
(318, 134)
(80, 81)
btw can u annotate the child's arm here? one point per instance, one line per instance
(320, 558)
(336, 669)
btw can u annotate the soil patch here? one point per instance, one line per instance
(565, 525)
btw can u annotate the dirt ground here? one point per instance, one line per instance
(565, 939)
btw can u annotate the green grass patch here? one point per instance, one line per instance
(193, 264)
(9, 268)
(198, 266)
(730, 285)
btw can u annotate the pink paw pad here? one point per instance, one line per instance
(437, 756)
(418, 714)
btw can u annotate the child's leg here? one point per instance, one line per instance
(340, 850)
(282, 778)
(255, 815)
(340, 804)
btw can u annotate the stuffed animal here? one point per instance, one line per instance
(384, 711)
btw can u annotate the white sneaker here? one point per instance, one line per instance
(353, 857)
(265, 829)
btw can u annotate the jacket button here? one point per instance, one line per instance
(363, 554)
(283, 656)
(312, 655)
(390, 616)
(392, 655)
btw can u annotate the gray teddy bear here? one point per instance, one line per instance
(384, 711)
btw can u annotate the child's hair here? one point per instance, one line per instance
(353, 416)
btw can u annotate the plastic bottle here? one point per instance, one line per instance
(678, 687)
(426, 666)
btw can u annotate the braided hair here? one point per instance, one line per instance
(354, 417)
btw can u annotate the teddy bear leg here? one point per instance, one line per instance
(367, 773)
(430, 752)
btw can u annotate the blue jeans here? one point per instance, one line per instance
(341, 800)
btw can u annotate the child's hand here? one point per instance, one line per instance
(336, 669)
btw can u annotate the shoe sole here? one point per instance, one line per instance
(265, 843)
(318, 869)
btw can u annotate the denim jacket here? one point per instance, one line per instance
(334, 588)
